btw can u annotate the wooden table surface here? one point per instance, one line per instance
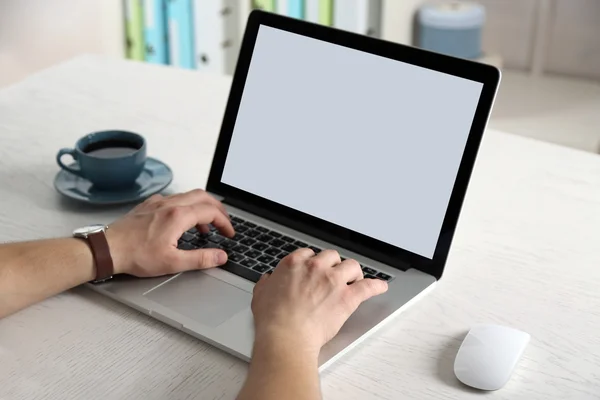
(526, 254)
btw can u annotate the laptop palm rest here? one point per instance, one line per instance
(201, 297)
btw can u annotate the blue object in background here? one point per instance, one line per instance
(453, 28)
(155, 32)
(296, 8)
(181, 33)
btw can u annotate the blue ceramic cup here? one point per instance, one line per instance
(110, 160)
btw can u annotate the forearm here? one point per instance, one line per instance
(282, 371)
(33, 271)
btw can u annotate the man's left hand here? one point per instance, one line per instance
(144, 242)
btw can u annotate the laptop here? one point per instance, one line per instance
(330, 140)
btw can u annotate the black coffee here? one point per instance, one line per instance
(111, 148)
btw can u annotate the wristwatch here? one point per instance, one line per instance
(96, 239)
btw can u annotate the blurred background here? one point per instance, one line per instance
(548, 50)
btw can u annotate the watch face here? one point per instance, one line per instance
(86, 230)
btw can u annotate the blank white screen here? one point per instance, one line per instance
(364, 142)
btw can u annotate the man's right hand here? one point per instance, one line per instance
(308, 297)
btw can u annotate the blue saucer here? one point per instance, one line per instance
(155, 177)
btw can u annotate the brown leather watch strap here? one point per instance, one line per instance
(102, 258)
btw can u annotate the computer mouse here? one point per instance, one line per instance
(488, 355)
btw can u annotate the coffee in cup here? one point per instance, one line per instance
(110, 160)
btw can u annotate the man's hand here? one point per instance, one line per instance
(144, 242)
(298, 309)
(308, 297)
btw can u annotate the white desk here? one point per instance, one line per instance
(526, 254)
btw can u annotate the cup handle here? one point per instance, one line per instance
(71, 152)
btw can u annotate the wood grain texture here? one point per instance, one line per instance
(526, 254)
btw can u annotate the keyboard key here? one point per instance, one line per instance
(289, 248)
(262, 268)
(198, 242)
(253, 254)
(253, 233)
(250, 224)
(248, 263)
(236, 257)
(315, 249)
(212, 228)
(262, 229)
(193, 230)
(247, 242)
(272, 251)
(228, 244)
(370, 271)
(240, 249)
(211, 245)
(264, 238)
(274, 263)
(276, 243)
(383, 276)
(187, 237)
(370, 276)
(265, 259)
(288, 239)
(300, 244)
(281, 255)
(241, 228)
(186, 246)
(237, 219)
(216, 239)
(238, 270)
(260, 246)
(237, 237)
(275, 234)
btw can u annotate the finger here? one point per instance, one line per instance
(199, 259)
(349, 271)
(261, 283)
(367, 288)
(297, 257)
(203, 228)
(196, 196)
(203, 214)
(327, 258)
(154, 198)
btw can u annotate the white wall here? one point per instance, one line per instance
(574, 38)
(35, 34)
(560, 36)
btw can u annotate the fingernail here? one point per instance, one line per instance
(220, 257)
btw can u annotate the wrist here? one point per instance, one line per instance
(280, 340)
(280, 355)
(118, 254)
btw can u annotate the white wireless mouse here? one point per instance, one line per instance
(488, 355)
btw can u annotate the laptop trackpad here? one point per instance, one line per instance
(201, 297)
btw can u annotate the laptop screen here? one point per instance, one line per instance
(362, 141)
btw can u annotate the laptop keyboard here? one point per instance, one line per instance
(255, 250)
